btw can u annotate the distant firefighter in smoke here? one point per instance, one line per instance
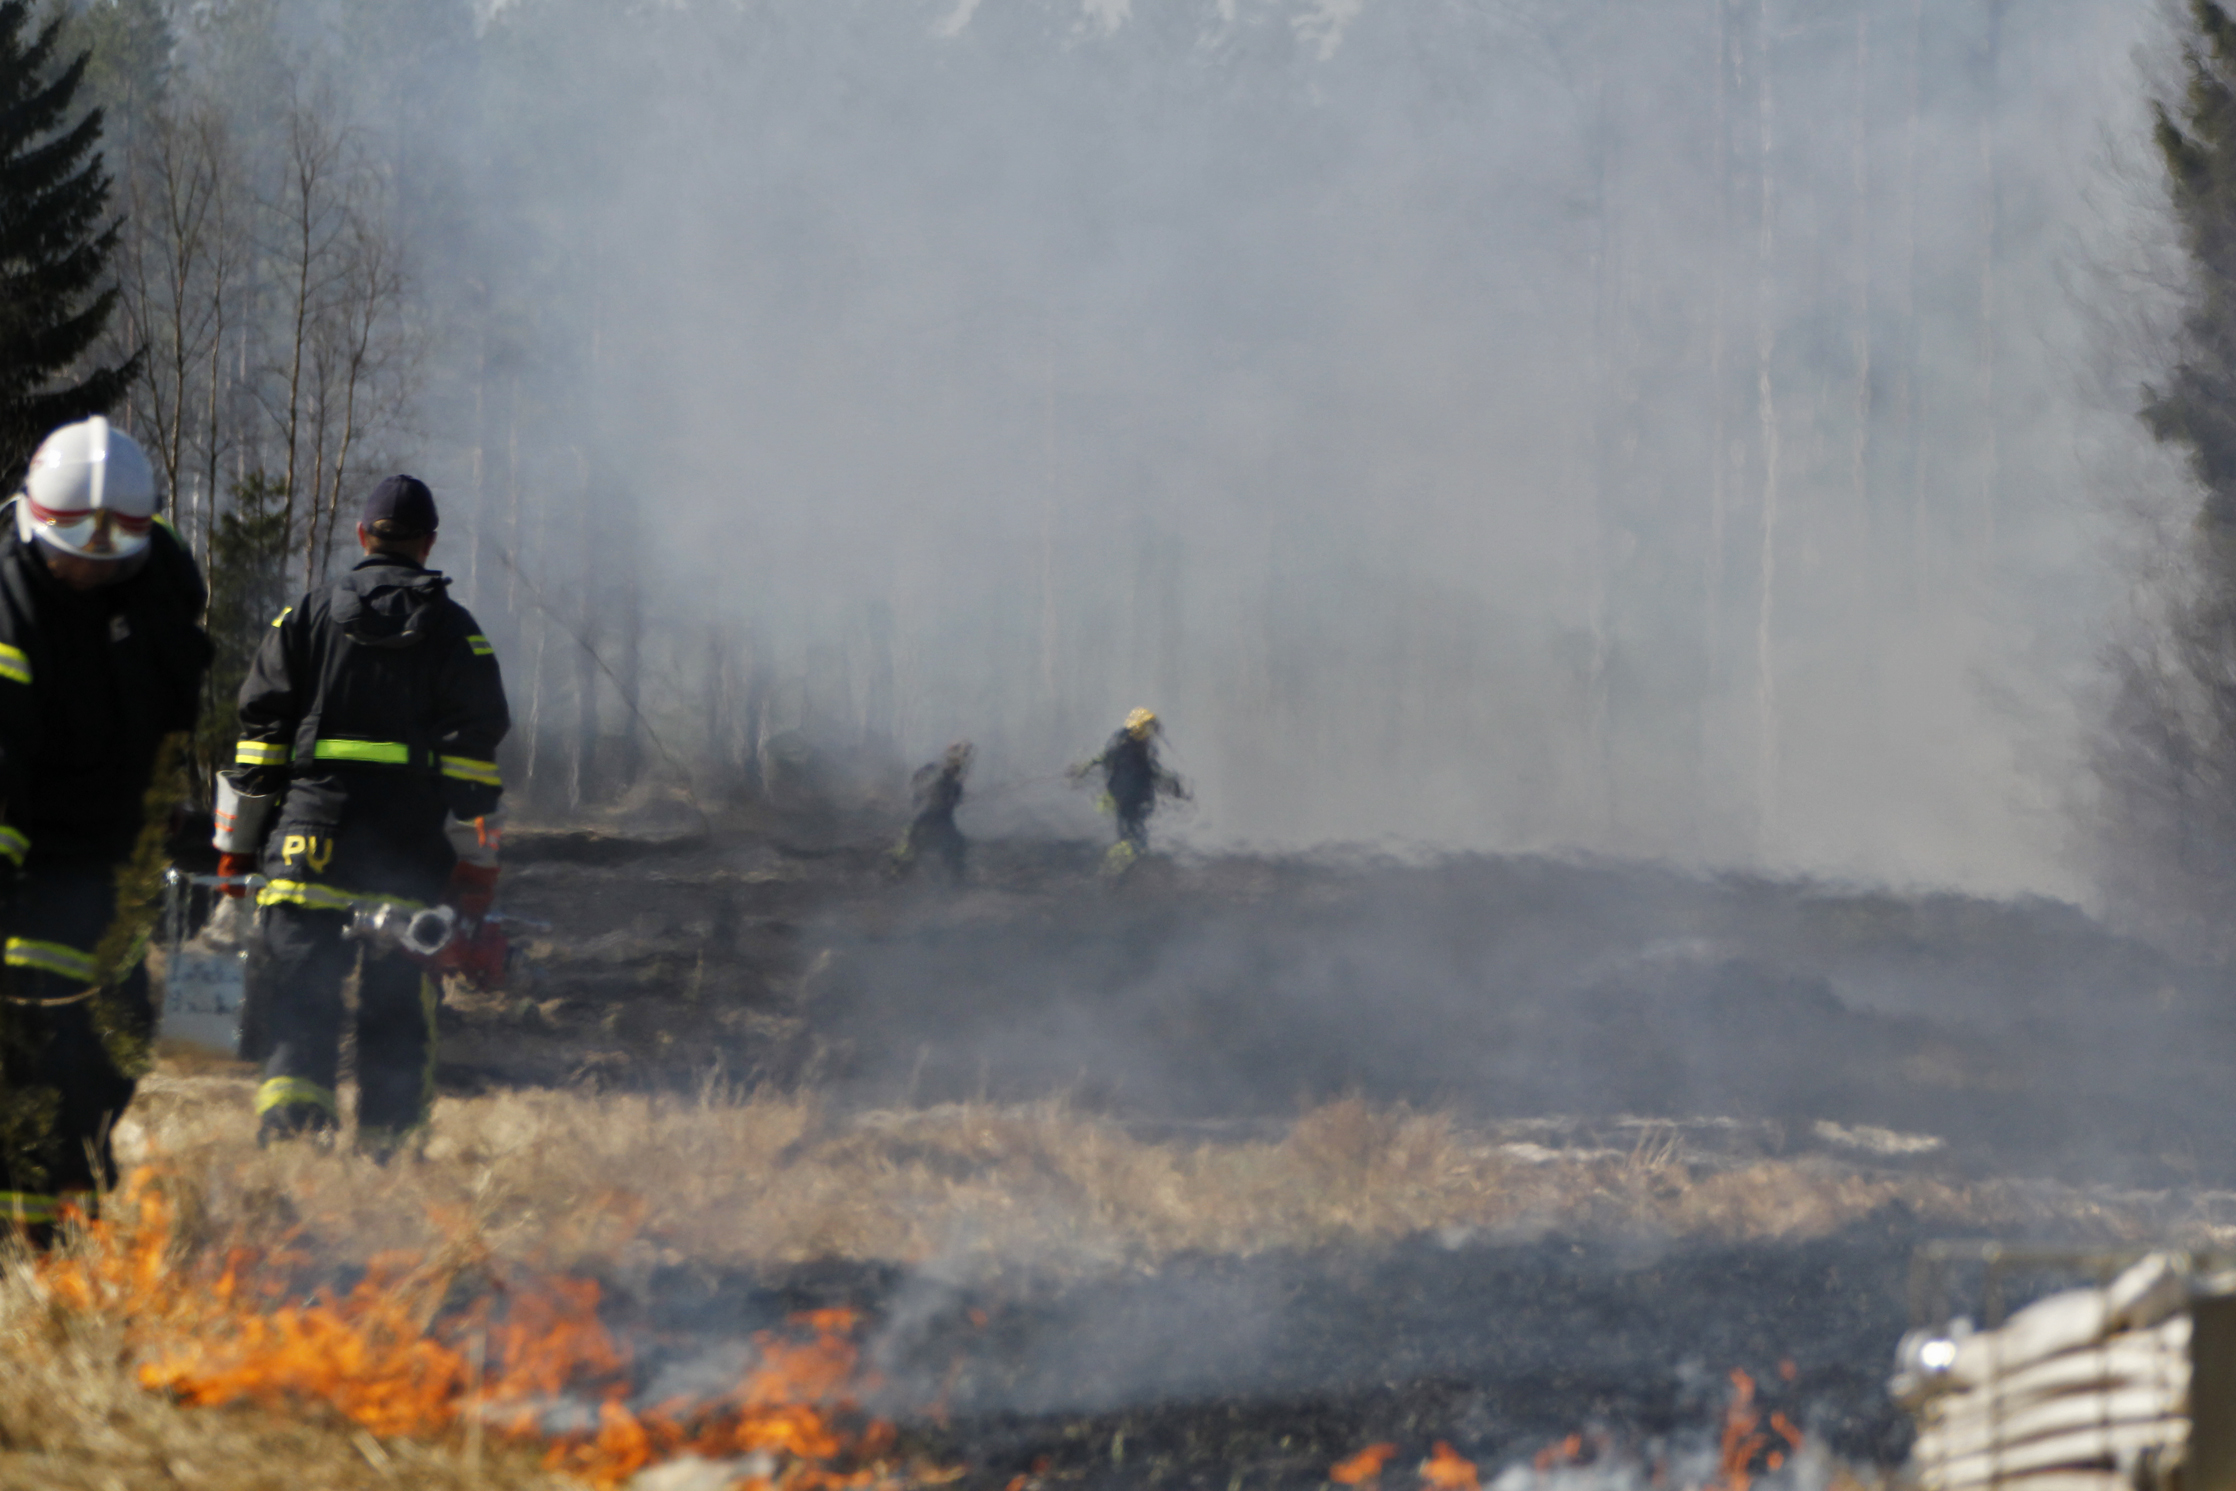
(1133, 779)
(938, 788)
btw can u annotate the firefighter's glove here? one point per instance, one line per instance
(229, 925)
(473, 889)
(479, 956)
(236, 868)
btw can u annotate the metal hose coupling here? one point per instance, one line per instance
(421, 934)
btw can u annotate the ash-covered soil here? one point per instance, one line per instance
(1563, 1008)
(2003, 1038)
(1276, 1367)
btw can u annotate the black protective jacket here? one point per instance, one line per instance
(90, 683)
(939, 792)
(1133, 776)
(375, 705)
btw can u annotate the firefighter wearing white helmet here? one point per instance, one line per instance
(90, 494)
(101, 656)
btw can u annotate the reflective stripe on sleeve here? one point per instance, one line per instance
(50, 957)
(369, 752)
(14, 666)
(283, 615)
(326, 898)
(262, 753)
(14, 844)
(279, 1092)
(480, 645)
(467, 769)
(25, 1209)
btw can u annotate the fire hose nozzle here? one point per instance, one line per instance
(423, 933)
(430, 931)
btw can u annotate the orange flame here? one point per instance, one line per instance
(1444, 1470)
(1362, 1468)
(1743, 1441)
(387, 1356)
(1743, 1438)
(1567, 1452)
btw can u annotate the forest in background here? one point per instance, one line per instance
(1676, 431)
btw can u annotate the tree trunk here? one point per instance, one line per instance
(535, 706)
(1991, 232)
(1766, 400)
(583, 760)
(1719, 455)
(631, 764)
(1605, 435)
(1908, 423)
(1860, 451)
(714, 701)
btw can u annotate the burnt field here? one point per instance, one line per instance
(1276, 1368)
(2021, 1037)
(1220, 1175)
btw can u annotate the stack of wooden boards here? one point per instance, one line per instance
(2086, 1390)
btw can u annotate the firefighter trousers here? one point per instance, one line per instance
(304, 963)
(61, 1090)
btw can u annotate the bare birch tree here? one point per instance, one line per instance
(176, 267)
(309, 218)
(362, 360)
(1766, 399)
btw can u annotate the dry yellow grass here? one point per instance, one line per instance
(558, 1180)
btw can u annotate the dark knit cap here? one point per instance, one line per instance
(400, 507)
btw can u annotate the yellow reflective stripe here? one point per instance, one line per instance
(325, 898)
(467, 769)
(480, 645)
(14, 666)
(261, 753)
(278, 1092)
(25, 1209)
(373, 752)
(14, 843)
(283, 615)
(49, 957)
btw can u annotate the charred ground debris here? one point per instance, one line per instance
(1210, 1000)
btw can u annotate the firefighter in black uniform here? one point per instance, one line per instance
(1133, 779)
(101, 656)
(372, 714)
(938, 789)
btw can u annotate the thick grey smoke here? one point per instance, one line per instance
(1651, 429)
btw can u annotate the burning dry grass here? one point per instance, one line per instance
(546, 1183)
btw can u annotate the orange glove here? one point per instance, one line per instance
(236, 866)
(473, 889)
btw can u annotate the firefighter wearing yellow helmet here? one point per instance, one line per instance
(101, 656)
(1133, 779)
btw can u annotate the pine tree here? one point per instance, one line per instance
(2167, 758)
(54, 244)
(2197, 407)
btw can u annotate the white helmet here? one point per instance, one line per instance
(90, 492)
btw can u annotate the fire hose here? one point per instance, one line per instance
(437, 936)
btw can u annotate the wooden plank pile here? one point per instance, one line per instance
(2087, 1390)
